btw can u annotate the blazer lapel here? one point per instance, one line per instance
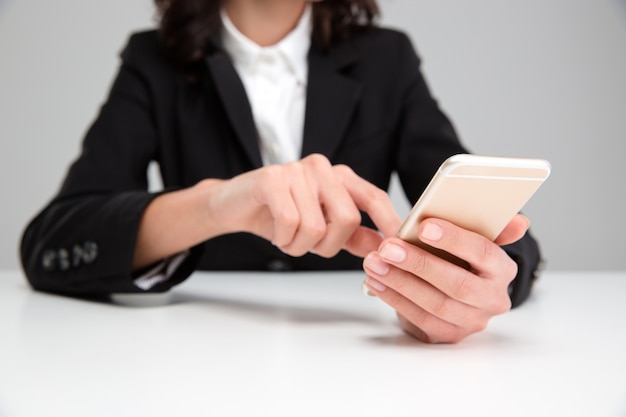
(233, 96)
(331, 100)
(330, 103)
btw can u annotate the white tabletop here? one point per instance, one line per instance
(308, 344)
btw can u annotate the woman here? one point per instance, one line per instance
(275, 123)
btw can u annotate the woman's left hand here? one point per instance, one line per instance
(437, 301)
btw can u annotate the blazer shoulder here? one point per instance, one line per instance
(144, 48)
(380, 44)
(373, 46)
(384, 38)
(145, 58)
(388, 34)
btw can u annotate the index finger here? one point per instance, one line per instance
(370, 199)
(486, 258)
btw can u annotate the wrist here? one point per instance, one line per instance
(209, 196)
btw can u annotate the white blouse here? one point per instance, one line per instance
(275, 79)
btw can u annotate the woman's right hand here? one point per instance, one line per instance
(304, 206)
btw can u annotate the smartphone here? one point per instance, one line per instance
(477, 193)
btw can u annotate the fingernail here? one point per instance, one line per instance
(432, 232)
(376, 285)
(374, 264)
(366, 290)
(393, 253)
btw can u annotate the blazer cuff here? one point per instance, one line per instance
(161, 272)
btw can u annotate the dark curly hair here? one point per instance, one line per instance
(186, 26)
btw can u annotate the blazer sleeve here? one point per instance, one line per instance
(83, 241)
(426, 138)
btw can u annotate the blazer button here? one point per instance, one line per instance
(278, 265)
(63, 259)
(90, 252)
(49, 260)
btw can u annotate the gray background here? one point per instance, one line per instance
(541, 78)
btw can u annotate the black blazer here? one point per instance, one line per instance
(367, 106)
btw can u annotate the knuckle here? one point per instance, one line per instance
(317, 161)
(486, 250)
(316, 230)
(287, 219)
(274, 177)
(442, 308)
(272, 173)
(326, 251)
(349, 218)
(293, 251)
(506, 305)
(501, 305)
(452, 237)
(394, 300)
(291, 169)
(402, 285)
(510, 269)
(465, 288)
(278, 239)
(432, 328)
(377, 196)
(419, 264)
(479, 326)
(343, 169)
